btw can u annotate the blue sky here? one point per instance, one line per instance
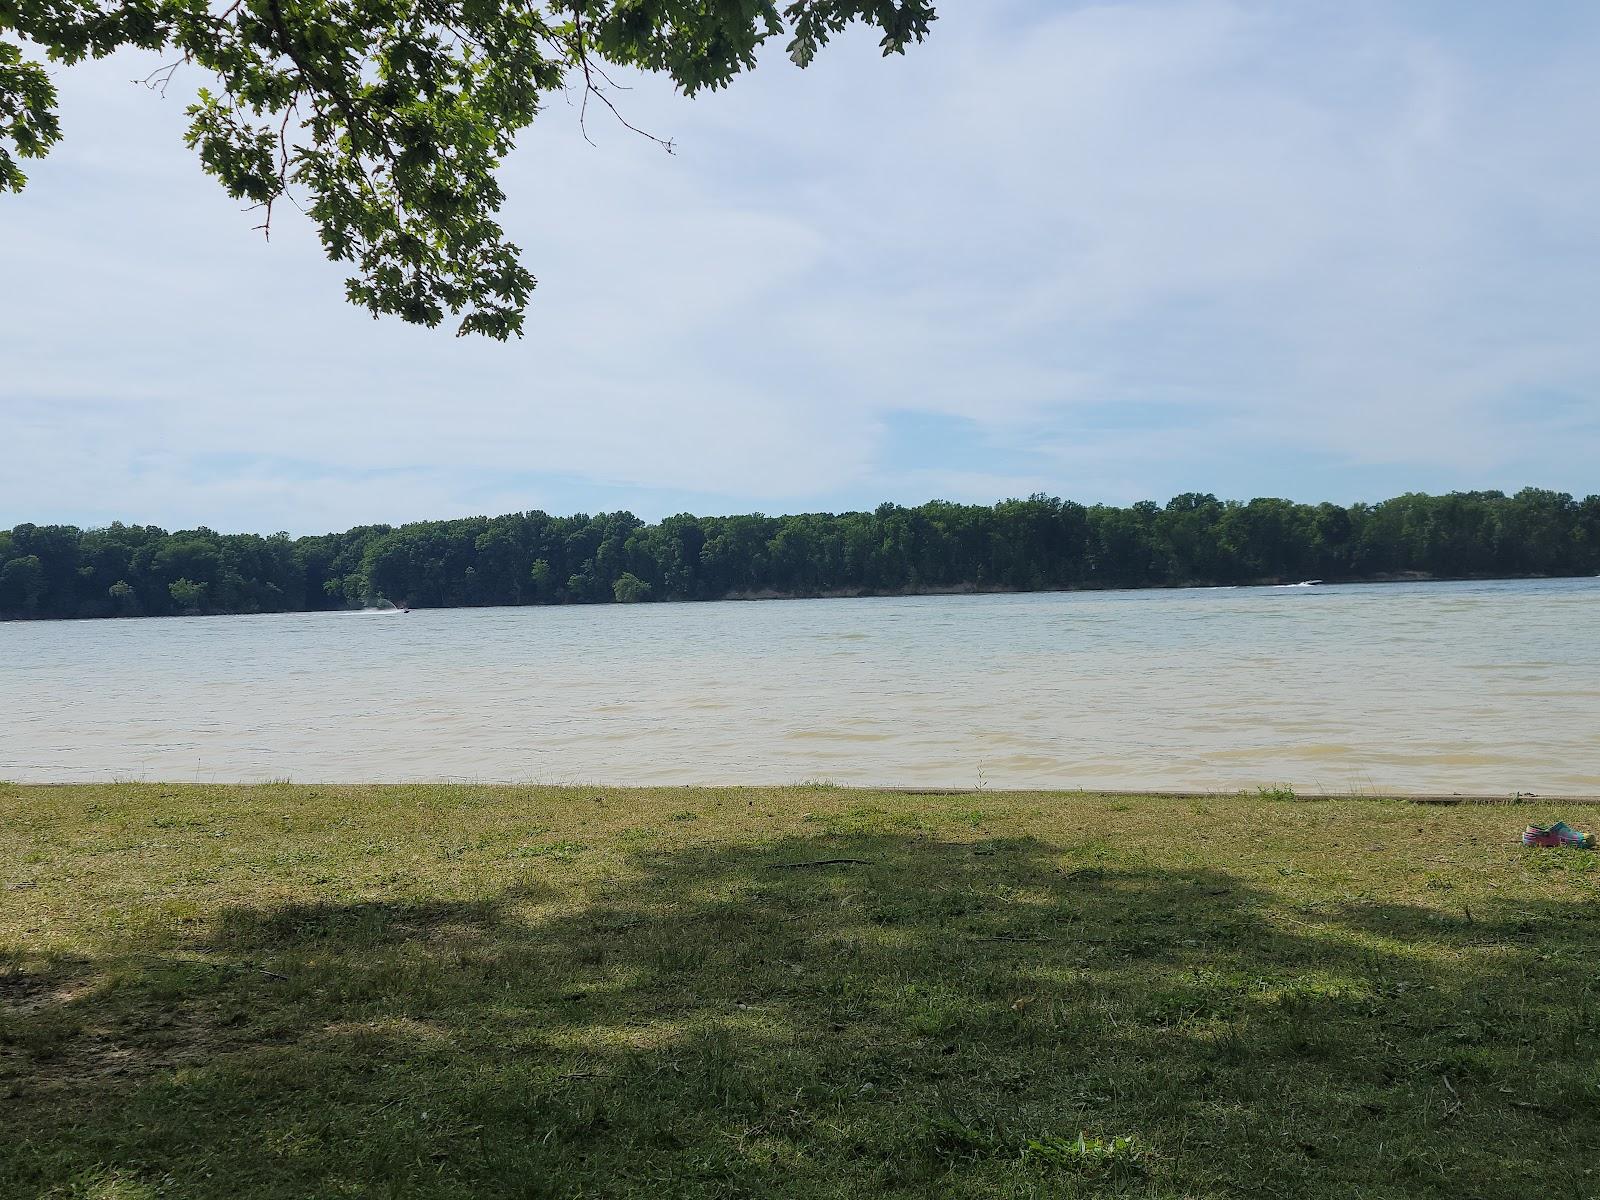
(1111, 252)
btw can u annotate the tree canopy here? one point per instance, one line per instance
(386, 120)
(1016, 545)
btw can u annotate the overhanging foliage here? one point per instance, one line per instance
(386, 121)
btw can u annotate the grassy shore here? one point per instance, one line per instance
(476, 992)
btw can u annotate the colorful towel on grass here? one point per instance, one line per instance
(1559, 834)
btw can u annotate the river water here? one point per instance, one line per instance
(1470, 687)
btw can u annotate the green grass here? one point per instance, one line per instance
(482, 992)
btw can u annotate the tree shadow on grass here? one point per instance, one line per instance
(728, 1020)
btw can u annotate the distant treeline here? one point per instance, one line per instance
(1023, 545)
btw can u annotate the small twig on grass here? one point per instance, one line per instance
(823, 862)
(1455, 1107)
(272, 974)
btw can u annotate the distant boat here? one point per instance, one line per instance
(1302, 583)
(386, 609)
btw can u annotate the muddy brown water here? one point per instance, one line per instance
(1473, 687)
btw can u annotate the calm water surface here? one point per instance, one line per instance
(1483, 687)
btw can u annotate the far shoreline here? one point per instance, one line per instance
(842, 594)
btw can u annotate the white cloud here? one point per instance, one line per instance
(1337, 244)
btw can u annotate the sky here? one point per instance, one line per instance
(1328, 251)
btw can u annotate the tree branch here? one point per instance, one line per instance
(591, 88)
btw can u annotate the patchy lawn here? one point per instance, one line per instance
(476, 992)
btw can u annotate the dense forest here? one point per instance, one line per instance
(1017, 545)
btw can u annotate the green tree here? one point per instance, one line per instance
(191, 555)
(630, 589)
(544, 582)
(581, 585)
(1189, 540)
(187, 595)
(1040, 542)
(123, 598)
(1538, 530)
(21, 584)
(58, 549)
(387, 120)
(500, 560)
